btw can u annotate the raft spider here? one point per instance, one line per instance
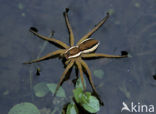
(74, 54)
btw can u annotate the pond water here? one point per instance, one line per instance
(131, 27)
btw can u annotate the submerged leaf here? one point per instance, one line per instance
(125, 91)
(20, 6)
(99, 73)
(137, 5)
(24, 108)
(6, 92)
(72, 109)
(40, 89)
(52, 87)
(92, 105)
(45, 111)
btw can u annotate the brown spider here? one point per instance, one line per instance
(74, 54)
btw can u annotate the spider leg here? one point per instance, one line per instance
(53, 40)
(90, 80)
(81, 73)
(89, 74)
(69, 27)
(67, 62)
(94, 29)
(60, 51)
(101, 55)
(63, 75)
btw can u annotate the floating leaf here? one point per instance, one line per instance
(24, 108)
(40, 89)
(52, 87)
(92, 106)
(87, 94)
(99, 73)
(79, 83)
(78, 92)
(88, 102)
(72, 109)
(84, 99)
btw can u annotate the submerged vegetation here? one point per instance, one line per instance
(79, 100)
(84, 99)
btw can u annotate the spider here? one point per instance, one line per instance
(74, 55)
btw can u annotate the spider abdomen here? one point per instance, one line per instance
(88, 45)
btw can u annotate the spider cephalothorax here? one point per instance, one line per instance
(74, 54)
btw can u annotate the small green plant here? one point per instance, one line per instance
(84, 99)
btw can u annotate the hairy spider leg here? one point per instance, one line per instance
(71, 35)
(63, 75)
(101, 55)
(67, 61)
(94, 29)
(85, 66)
(60, 51)
(53, 40)
(81, 73)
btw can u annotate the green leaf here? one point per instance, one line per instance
(79, 83)
(88, 102)
(92, 106)
(99, 73)
(80, 96)
(72, 109)
(84, 99)
(24, 108)
(78, 92)
(88, 94)
(52, 87)
(40, 89)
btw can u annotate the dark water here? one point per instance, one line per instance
(131, 28)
